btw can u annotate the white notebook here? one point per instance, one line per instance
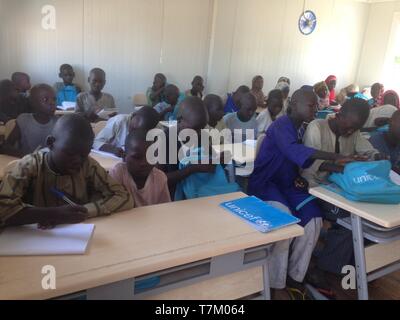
(31, 241)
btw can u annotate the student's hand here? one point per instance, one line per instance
(380, 122)
(203, 168)
(301, 183)
(112, 115)
(119, 152)
(65, 215)
(380, 156)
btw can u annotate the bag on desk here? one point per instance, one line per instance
(367, 182)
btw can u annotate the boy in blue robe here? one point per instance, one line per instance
(276, 180)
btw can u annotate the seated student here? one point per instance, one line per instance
(11, 104)
(276, 179)
(215, 108)
(66, 91)
(23, 83)
(274, 108)
(147, 184)
(381, 115)
(243, 121)
(377, 91)
(32, 129)
(112, 138)
(341, 135)
(322, 92)
(169, 108)
(284, 86)
(331, 82)
(388, 143)
(194, 116)
(257, 91)
(156, 94)
(91, 103)
(197, 88)
(232, 101)
(27, 192)
(391, 97)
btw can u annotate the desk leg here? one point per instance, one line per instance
(267, 290)
(359, 253)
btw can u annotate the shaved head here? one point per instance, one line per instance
(193, 114)
(73, 129)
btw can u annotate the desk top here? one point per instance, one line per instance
(241, 152)
(387, 216)
(139, 242)
(4, 161)
(107, 162)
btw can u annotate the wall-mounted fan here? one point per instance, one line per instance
(307, 21)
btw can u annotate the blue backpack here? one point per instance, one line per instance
(201, 185)
(366, 182)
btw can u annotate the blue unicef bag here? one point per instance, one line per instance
(201, 185)
(367, 182)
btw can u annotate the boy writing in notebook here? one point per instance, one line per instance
(147, 184)
(91, 103)
(112, 138)
(32, 129)
(30, 193)
(66, 91)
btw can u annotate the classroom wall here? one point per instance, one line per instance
(226, 41)
(376, 43)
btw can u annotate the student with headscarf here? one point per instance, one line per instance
(322, 92)
(331, 82)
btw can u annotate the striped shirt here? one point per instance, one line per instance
(29, 184)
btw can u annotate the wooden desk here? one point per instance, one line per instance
(4, 161)
(64, 112)
(107, 162)
(142, 242)
(386, 216)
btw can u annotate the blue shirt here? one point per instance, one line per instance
(66, 93)
(277, 167)
(230, 105)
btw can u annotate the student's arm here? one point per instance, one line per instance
(380, 122)
(13, 210)
(108, 196)
(165, 111)
(49, 217)
(364, 148)
(112, 102)
(175, 177)
(80, 108)
(9, 146)
(105, 138)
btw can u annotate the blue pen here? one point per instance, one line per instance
(62, 196)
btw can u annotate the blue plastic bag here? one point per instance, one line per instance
(367, 182)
